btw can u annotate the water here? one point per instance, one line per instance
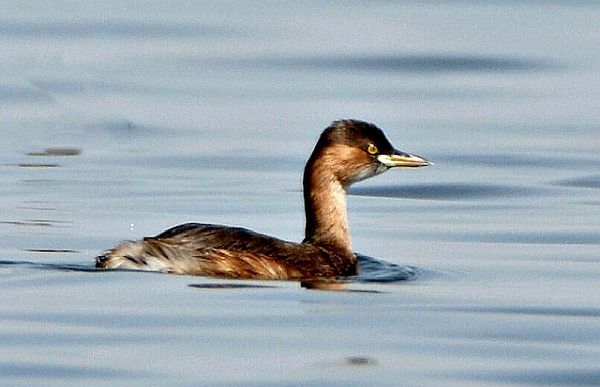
(122, 119)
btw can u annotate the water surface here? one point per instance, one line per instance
(123, 121)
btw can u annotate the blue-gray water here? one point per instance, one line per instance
(120, 119)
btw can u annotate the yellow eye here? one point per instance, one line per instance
(372, 149)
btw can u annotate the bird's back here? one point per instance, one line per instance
(220, 251)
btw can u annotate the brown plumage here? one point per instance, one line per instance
(347, 151)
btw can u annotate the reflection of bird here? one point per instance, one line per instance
(347, 151)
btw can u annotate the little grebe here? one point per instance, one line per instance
(347, 151)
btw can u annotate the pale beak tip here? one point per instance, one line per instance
(401, 159)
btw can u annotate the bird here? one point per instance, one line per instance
(347, 151)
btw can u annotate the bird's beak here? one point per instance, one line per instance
(401, 159)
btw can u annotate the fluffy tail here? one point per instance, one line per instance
(133, 256)
(167, 256)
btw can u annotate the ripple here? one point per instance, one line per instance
(421, 63)
(38, 222)
(515, 160)
(27, 223)
(530, 311)
(52, 266)
(108, 28)
(374, 270)
(541, 238)
(43, 370)
(581, 182)
(542, 377)
(120, 128)
(52, 251)
(442, 191)
(56, 152)
(33, 165)
(213, 162)
(360, 361)
(229, 286)
(13, 93)
(78, 86)
(36, 208)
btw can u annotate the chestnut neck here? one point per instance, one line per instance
(325, 204)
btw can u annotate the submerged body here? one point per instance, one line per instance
(221, 251)
(347, 151)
